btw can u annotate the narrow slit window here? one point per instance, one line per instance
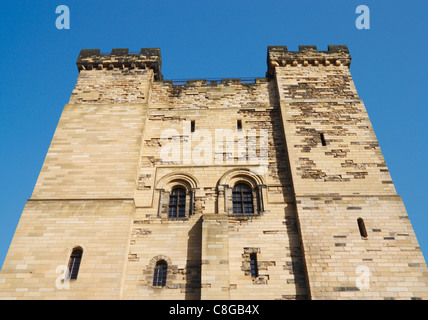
(322, 139)
(239, 125)
(362, 227)
(192, 126)
(74, 263)
(253, 265)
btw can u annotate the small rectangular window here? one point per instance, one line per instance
(322, 139)
(192, 126)
(239, 125)
(253, 265)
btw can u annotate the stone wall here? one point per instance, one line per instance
(331, 139)
(47, 233)
(219, 240)
(339, 178)
(385, 264)
(93, 153)
(326, 222)
(112, 86)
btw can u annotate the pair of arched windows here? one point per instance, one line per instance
(242, 199)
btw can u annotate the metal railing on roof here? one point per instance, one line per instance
(214, 81)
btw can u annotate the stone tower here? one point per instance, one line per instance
(269, 188)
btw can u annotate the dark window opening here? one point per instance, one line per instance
(242, 198)
(253, 265)
(74, 263)
(159, 276)
(323, 139)
(177, 203)
(239, 125)
(192, 126)
(362, 227)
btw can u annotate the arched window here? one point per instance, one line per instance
(177, 196)
(240, 193)
(242, 198)
(177, 203)
(74, 263)
(159, 276)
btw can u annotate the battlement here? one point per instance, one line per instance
(214, 189)
(121, 58)
(337, 55)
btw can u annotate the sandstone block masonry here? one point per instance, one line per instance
(273, 188)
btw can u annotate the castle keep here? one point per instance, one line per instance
(267, 188)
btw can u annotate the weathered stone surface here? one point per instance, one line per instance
(301, 141)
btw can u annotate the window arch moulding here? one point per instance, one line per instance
(236, 177)
(165, 188)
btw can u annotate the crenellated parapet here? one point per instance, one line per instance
(150, 58)
(279, 56)
(213, 189)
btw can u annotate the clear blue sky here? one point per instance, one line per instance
(207, 39)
